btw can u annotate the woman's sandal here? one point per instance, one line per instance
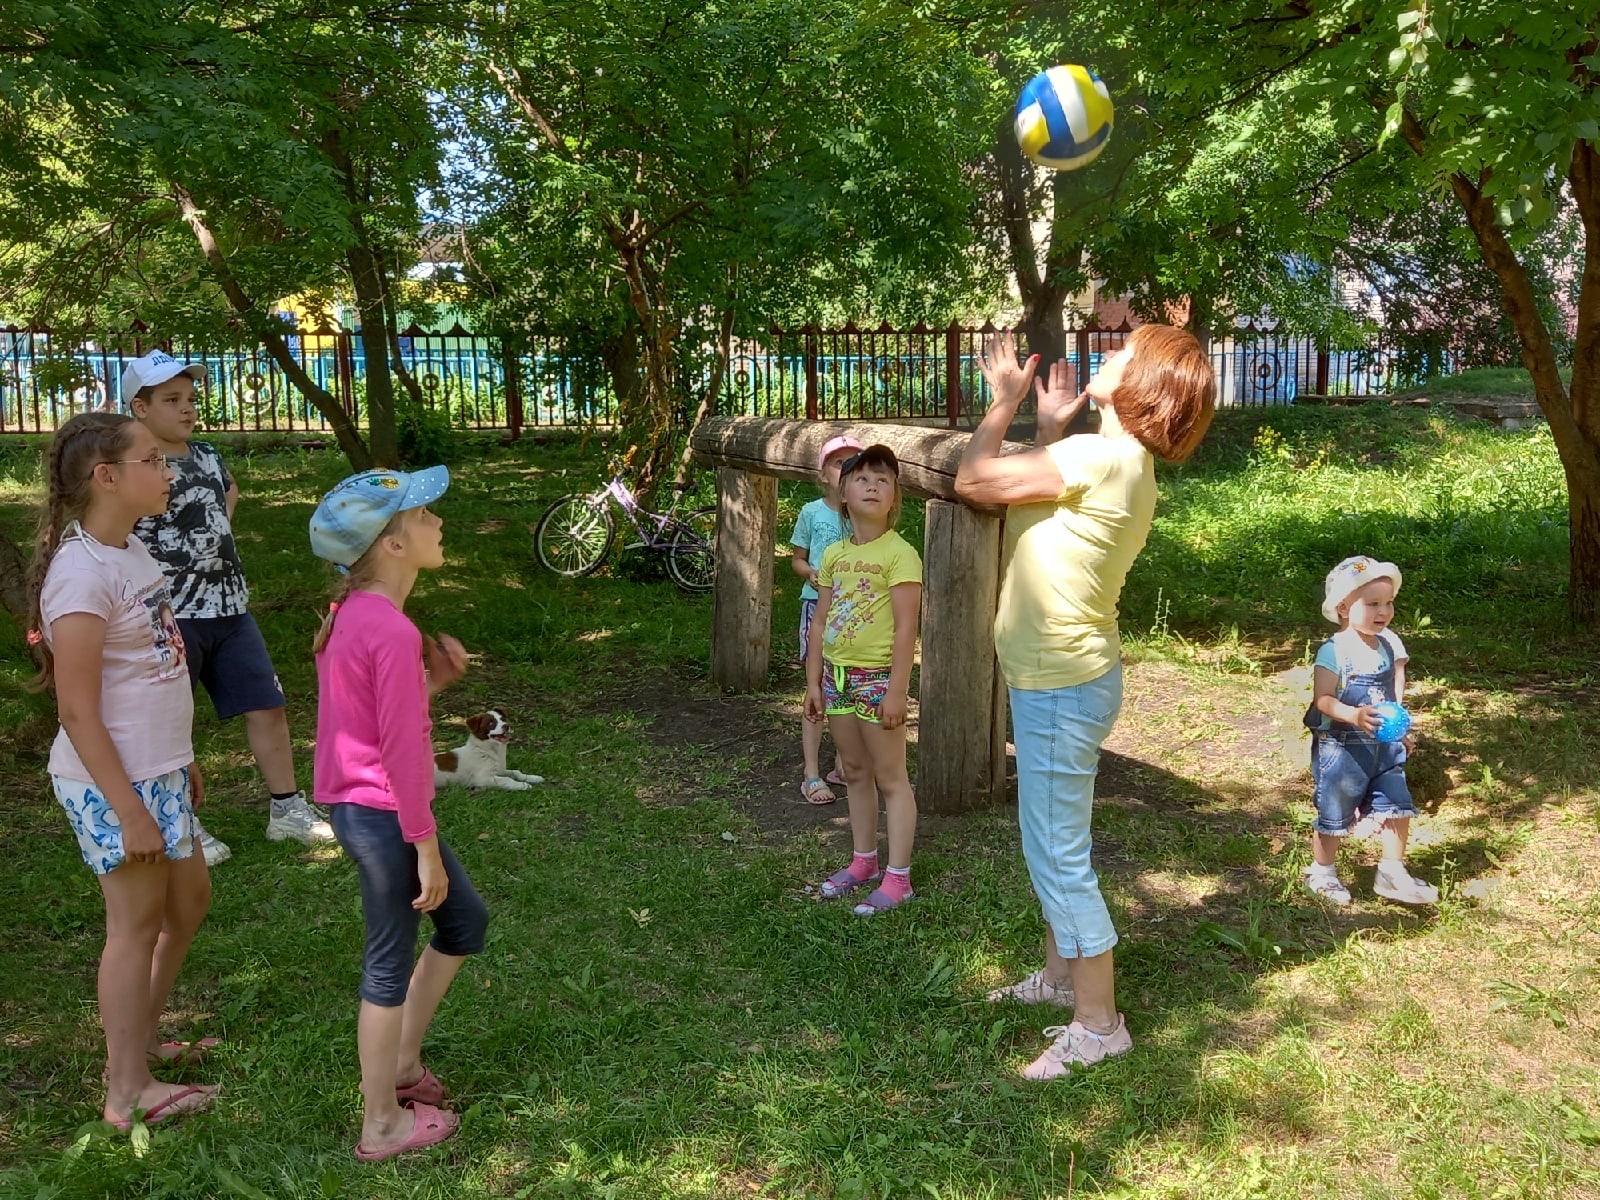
(427, 1090)
(835, 777)
(432, 1125)
(842, 883)
(173, 1106)
(816, 791)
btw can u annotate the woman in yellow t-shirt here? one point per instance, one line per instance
(1079, 512)
(858, 674)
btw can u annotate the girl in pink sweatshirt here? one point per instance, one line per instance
(374, 769)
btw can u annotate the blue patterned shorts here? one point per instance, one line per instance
(99, 829)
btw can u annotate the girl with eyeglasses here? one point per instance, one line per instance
(122, 764)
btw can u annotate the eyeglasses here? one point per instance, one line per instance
(158, 461)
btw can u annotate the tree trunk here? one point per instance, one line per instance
(649, 424)
(620, 353)
(13, 578)
(1573, 415)
(265, 328)
(382, 429)
(708, 402)
(391, 329)
(1581, 463)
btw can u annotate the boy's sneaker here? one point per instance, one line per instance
(1394, 882)
(1076, 1044)
(214, 849)
(299, 821)
(1323, 882)
(1035, 989)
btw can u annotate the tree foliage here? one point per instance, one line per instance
(649, 174)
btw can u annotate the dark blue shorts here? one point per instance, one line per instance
(387, 866)
(229, 656)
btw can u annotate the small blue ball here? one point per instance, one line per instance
(1396, 722)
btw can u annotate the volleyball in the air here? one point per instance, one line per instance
(1064, 117)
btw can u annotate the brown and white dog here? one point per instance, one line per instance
(481, 763)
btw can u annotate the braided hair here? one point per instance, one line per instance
(83, 442)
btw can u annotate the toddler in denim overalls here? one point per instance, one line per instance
(1354, 774)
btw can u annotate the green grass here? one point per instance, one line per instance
(661, 1011)
(1485, 381)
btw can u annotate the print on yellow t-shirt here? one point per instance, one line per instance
(860, 629)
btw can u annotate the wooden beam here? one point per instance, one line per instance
(961, 740)
(741, 598)
(788, 449)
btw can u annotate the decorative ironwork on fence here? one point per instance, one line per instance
(481, 382)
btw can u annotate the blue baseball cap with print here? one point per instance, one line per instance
(353, 515)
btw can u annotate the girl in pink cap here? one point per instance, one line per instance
(820, 524)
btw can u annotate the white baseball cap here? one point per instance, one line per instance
(156, 367)
(1349, 577)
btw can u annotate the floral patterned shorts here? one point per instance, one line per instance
(99, 829)
(854, 691)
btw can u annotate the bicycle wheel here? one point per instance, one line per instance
(692, 557)
(574, 535)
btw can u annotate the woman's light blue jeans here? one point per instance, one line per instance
(1058, 733)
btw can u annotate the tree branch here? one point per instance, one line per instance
(344, 429)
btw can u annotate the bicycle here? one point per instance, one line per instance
(576, 533)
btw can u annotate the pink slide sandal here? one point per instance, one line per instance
(427, 1090)
(433, 1125)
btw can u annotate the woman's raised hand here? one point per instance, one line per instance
(1008, 379)
(1058, 403)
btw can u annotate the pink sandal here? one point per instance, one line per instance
(842, 883)
(172, 1107)
(432, 1126)
(427, 1090)
(816, 791)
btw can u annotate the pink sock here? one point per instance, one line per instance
(864, 866)
(897, 882)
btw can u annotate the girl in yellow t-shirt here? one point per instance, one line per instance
(858, 673)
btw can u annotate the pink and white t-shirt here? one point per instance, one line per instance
(146, 700)
(374, 735)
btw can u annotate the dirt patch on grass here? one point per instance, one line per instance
(759, 732)
(1188, 742)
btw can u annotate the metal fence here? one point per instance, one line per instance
(480, 382)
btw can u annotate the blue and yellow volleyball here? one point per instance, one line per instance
(1064, 117)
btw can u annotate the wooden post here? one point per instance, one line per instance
(741, 612)
(961, 740)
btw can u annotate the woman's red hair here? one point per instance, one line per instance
(1167, 394)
